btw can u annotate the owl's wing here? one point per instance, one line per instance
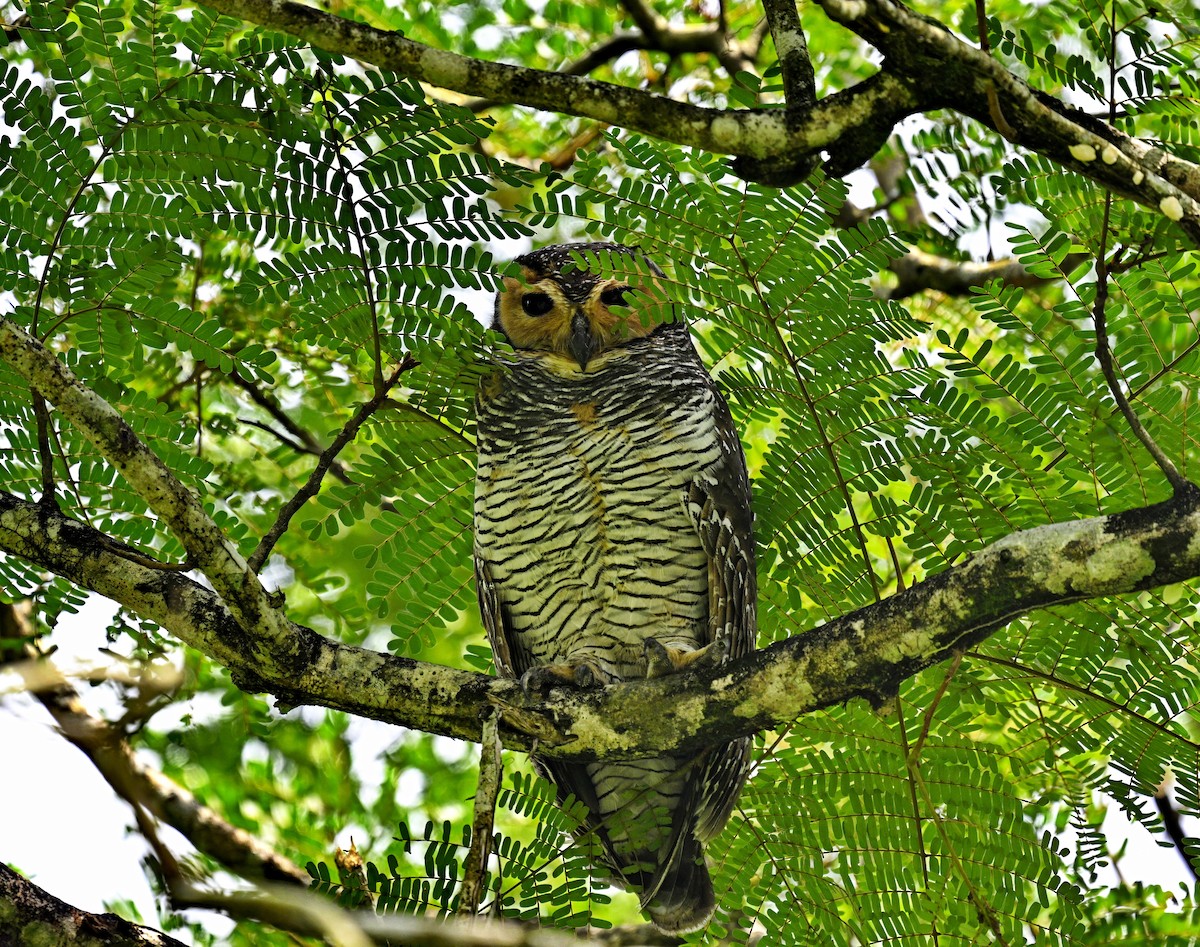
(511, 659)
(719, 504)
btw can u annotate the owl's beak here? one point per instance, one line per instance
(582, 342)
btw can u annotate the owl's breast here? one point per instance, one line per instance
(581, 517)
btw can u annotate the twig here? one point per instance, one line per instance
(39, 676)
(918, 817)
(45, 455)
(304, 441)
(313, 484)
(483, 820)
(986, 913)
(285, 439)
(662, 36)
(199, 414)
(815, 416)
(927, 722)
(565, 156)
(1174, 826)
(993, 101)
(917, 779)
(1104, 356)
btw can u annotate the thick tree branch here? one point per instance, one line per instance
(179, 509)
(310, 915)
(866, 654)
(770, 142)
(714, 129)
(777, 146)
(970, 81)
(29, 915)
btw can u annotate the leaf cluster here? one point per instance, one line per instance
(234, 238)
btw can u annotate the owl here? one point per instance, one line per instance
(613, 541)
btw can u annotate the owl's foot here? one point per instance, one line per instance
(663, 659)
(539, 681)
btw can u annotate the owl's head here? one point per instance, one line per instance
(579, 300)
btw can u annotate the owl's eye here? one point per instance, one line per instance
(536, 304)
(615, 296)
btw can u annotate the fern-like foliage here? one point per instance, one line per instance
(548, 876)
(235, 238)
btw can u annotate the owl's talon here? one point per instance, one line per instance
(663, 659)
(713, 654)
(539, 681)
(589, 674)
(658, 658)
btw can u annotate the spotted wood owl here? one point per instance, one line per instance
(613, 541)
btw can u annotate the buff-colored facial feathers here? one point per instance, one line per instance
(558, 307)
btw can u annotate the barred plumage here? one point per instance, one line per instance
(613, 540)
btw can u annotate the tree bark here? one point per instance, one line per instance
(31, 916)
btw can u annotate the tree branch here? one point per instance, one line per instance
(1104, 355)
(918, 271)
(137, 784)
(1173, 824)
(179, 509)
(777, 146)
(970, 81)
(795, 66)
(312, 485)
(858, 120)
(483, 818)
(305, 442)
(29, 915)
(661, 35)
(310, 915)
(866, 654)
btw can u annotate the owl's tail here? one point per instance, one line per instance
(679, 897)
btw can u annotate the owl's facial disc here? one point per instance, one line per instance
(576, 313)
